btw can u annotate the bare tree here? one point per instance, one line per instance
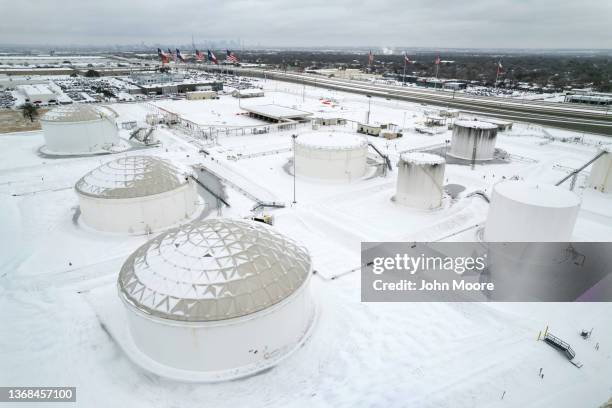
(29, 111)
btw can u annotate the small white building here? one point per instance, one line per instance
(248, 93)
(79, 129)
(331, 155)
(388, 130)
(217, 299)
(136, 194)
(37, 93)
(200, 95)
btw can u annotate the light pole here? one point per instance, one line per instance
(369, 103)
(294, 136)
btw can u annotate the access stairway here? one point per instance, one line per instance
(217, 196)
(385, 157)
(574, 173)
(562, 346)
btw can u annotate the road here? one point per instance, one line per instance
(580, 118)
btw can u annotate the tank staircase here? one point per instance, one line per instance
(199, 183)
(134, 133)
(480, 194)
(562, 346)
(258, 202)
(574, 173)
(147, 135)
(267, 204)
(142, 134)
(384, 156)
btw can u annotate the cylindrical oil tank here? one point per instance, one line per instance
(136, 194)
(79, 129)
(331, 155)
(216, 300)
(420, 180)
(473, 139)
(601, 173)
(525, 212)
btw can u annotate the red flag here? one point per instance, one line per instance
(437, 61)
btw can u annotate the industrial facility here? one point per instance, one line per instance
(331, 155)
(473, 140)
(170, 239)
(79, 129)
(217, 299)
(135, 195)
(420, 180)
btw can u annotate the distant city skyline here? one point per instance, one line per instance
(495, 24)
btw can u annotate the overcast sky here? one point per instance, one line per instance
(366, 23)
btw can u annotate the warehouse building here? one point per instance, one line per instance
(277, 113)
(37, 93)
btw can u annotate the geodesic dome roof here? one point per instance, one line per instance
(74, 113)
(131, 177)
(213, 270)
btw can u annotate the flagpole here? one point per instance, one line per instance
(404, 80)
(497, 74)
(437, 69)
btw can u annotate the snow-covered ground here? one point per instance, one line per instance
(361, 354)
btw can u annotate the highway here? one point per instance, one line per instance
(589, 119)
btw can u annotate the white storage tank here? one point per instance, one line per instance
(601, 173)
(136, 194)
(470, 134)
(79, 129)
(524, 212)
(331, 155)
(420, 180)
(217, 299)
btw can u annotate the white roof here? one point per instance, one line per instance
(213, 270)
(276, 111)
(539, 195)
(250, 91)
(421, 158)
(331, 140)
(75, 113)
(36, 89)
(131, 177)
(475, 124)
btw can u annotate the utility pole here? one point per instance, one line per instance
(294, 136)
